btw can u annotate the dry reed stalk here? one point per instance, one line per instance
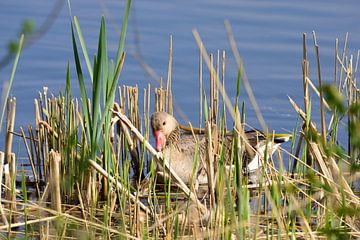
(210, 164)
(223, 88)
(37, 134)
(146, 114)
(343, 60)
(134, 103)
(55, 160)
(234, 113)
(118, 185)
(160, 99)
(119, 148)
(329, 169)
(135, 159)
(31, 160)
(275, 211)
(297, 153)
(35, 152)
(82, 205)
(148, 104)
(168, 96)
(336, 61)
(314, 88)
(40, 131)
(352, 99)
(133, 112)
(201, 84)
(93, 225)
(9, 162)
(323, 125)
(162, 162)
(28, 222)
(2, 159)
(11, 184)
(10, 123)
(121, 98)
(147, 130)
(305, 70)
(45, 89)
(304, 222)
(211, 79)
(113, 199)
(216, 93)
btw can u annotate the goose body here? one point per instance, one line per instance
(179, 149)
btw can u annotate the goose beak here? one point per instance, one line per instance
(160, 140)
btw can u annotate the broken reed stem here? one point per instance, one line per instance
(118, 185)
(160, 98)
(168, 97)
(9, 162)
(10, 123)
(323, 125)
(313, 87)
(55, 160)
(3, 216)
(11, 190)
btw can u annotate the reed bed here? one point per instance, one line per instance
(90, 170)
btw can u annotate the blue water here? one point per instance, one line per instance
(268, 34)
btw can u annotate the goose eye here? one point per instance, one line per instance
(164, 122)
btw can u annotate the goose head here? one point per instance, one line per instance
(163, 126)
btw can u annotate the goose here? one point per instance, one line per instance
(180, 148)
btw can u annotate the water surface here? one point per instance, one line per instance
(268, 34)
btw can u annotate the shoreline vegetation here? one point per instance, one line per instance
(90, 170)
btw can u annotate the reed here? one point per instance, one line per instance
(94, 172)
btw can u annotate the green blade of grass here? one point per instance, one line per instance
(97, 87)
(104, 60)
(81, 84)
(83, 47)
(68, 85)
(123, 31)
(206, 114)
(4, 99)
(111, 94)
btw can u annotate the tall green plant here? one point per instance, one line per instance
(104, 81)
(104, 75)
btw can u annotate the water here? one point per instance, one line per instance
(268, 34)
